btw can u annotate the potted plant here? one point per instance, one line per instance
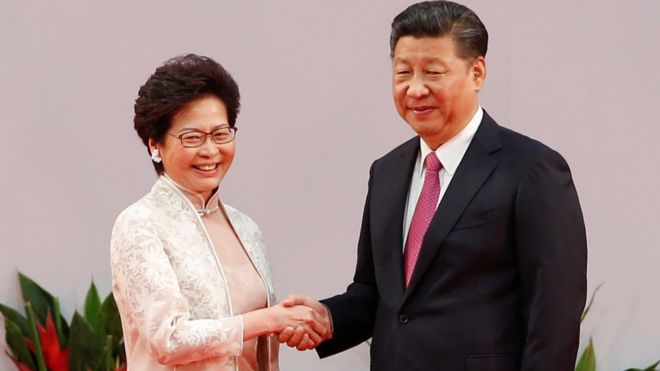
(42, 340)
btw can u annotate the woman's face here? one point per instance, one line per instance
(200, 169)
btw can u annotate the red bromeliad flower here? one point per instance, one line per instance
(55, 357)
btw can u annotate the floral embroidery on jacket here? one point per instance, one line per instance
(170, 288)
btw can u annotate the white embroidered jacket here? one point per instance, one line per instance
(170, 288)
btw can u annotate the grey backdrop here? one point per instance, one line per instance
(581, 76)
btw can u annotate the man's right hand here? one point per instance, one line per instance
(297, 337)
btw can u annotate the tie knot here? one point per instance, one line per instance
(432, 162)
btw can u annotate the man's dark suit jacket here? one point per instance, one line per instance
(500, 282)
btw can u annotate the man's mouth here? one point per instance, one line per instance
(421, 109)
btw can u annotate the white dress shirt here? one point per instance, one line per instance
(450, 155)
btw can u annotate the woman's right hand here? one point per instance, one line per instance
(275, 319)
(301, 316)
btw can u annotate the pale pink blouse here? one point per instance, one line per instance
(246, 289)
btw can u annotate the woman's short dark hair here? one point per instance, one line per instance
(177, 82)
(441, 18)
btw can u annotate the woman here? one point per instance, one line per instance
(190, 274)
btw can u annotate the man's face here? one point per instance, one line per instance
(434, 90)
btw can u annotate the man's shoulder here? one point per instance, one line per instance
(510, 142)
(405, 149)
(527, 148)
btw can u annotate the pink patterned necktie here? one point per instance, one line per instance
(424, 211)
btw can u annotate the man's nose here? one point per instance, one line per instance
(417, 88)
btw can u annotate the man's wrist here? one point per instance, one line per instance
(328, 314)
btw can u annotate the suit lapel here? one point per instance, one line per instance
(474, 169)
(389, 205)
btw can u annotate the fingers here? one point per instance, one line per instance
(320, 325)
(285, 335)
(293, 300)
(297, 336)
(304, 322)
(302, 338)
(312, 332)
(305, 343)
(315, 324)
(321, 313)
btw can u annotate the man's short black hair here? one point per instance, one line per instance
(442, 18)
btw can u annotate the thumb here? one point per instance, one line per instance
(293, 300)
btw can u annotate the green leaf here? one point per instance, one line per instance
(16, 342)
(650, 368)
(83, 343)
(111, 323)
(92, 307)
(41, 299)
(588, 360)
(95, 340)
(105, 361)
(42, 302)
(17, 318)
(34, 336)
(591, 301)
(60, 324)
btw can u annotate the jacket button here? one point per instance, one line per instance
(403, 319)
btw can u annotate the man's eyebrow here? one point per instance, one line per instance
(427, 60)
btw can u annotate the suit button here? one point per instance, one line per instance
(403, 319)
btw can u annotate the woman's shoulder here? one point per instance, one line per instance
(139, 210)
(146, 207)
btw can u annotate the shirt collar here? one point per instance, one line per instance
(202, 207)
(451, 152)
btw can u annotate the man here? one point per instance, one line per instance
(472, 253)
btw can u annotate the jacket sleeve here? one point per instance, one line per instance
(354, 311)
(552, 258)
(152, 308)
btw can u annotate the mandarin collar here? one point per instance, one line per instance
(202, 207)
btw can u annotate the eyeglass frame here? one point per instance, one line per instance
(232, 129)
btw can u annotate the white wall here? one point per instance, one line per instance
(581, 76)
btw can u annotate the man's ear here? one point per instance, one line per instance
(478, 72)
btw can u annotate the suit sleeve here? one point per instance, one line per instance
(552, 258)
(353, 312)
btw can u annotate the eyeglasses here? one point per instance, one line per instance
(197, 138)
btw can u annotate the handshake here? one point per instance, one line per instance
(301, 322)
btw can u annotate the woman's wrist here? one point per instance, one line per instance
(259, 323)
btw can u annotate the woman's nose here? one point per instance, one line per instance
(208, 147)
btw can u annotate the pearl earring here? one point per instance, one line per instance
(155, 156)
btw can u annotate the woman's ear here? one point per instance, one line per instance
(154, 151)
(152, 145)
